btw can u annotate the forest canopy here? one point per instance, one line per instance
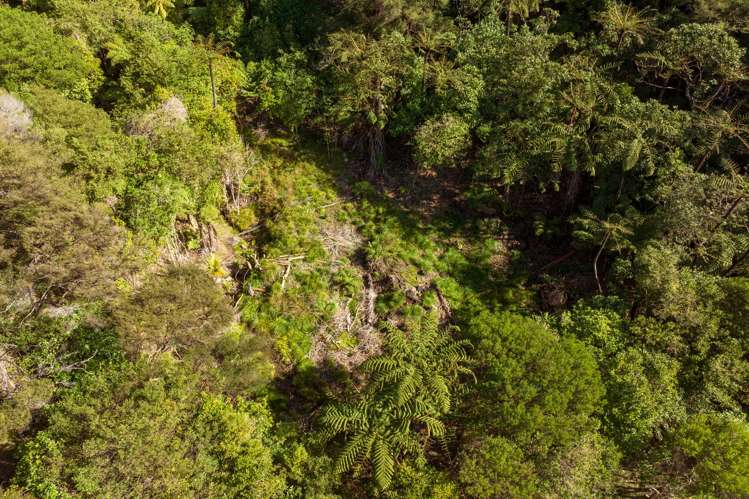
(374, 248)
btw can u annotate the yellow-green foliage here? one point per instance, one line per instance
(154, 60)
(187, 444)
(60, 246)
(31, 52)
(591, 153)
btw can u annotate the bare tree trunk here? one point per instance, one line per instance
(726, 215)
(595, 261)
(376, 147)
(573, 190)
(377, 140)
(720, 223)
(705, 158)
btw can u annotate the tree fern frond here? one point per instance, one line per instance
(341, 418)
(384, 464)
(378, 364)
(405, 390)
(358, 447)
(442, 393)
(435, 427)
(468, 372)
(633, 156)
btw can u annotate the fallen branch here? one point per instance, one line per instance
(557, 261)
(285, 275)
(287, 259)
(330, 205)
(250, 230)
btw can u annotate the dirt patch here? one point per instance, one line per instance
(8, 374)
(349, 339)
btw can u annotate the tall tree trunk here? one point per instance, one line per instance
(719, 224)
(736, 263)
(377, 139)
(595, 261)
(726, 215)
(573, 189)
(376, 147)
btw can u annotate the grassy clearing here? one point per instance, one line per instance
(324, 264)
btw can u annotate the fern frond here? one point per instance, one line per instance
(384, 464)
(440, 391)
(406, 389)
(378, 364)
(341, 418)
(633, 155)
(435, 427)
(357, 448)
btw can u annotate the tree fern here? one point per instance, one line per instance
(435, 427)
(409, 390)
(406, 389)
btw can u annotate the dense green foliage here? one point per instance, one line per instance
(387, 248)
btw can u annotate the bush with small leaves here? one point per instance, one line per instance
(176, 309)
(145, 430)
(495, 467)
(535, 389)
(708, 456)
(442, 141)
(56, 245)
(284, 88)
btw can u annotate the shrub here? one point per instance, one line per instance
(536, 389)
(174, 310)
(497, 468)
(145, 430)
(283, 87)
(442, 141)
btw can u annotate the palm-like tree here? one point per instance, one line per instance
(212, 49)
(426, 360)
(520, 8)
(613, 231)
(378, 431)
(160, 7)
(625, 25)
(523, 8)
(410, 388)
